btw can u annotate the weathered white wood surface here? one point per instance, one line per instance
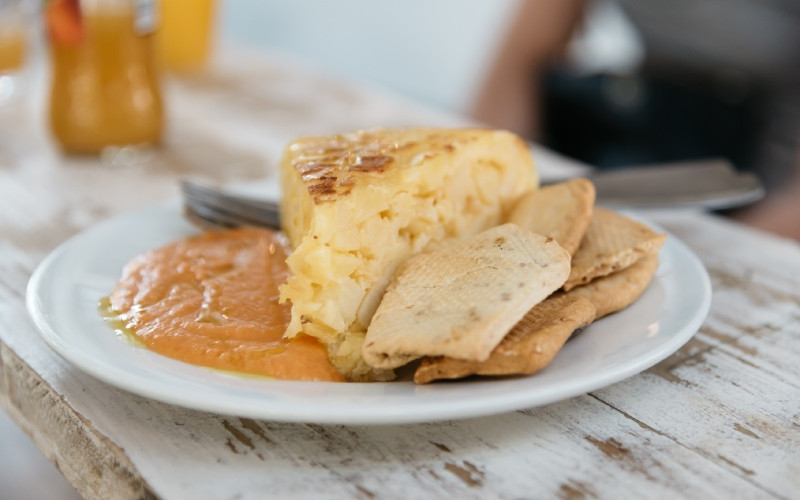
(718, 419)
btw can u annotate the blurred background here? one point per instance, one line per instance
(433, 51)
(609, 83)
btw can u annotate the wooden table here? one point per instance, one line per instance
(720, 418)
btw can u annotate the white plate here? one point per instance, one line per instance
(63, 297)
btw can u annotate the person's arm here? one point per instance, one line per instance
(538, 34)
(779, 212)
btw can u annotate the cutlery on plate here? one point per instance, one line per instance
(711, 184)
(708, 184)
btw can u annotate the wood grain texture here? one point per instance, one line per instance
(719, 418)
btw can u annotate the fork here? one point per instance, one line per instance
(211, 208)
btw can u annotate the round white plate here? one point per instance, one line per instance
(64, 292)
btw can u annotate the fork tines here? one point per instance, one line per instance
(212, 208)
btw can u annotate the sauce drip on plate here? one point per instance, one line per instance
(212, 300)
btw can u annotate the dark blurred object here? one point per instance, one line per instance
(717, 78)
(620, 120)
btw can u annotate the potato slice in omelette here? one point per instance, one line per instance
(357, 205)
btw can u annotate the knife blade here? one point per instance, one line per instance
(710, 184)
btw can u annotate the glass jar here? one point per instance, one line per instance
(105, 88)
(13, 47)
(185, 37)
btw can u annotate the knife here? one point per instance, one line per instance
(710, 184)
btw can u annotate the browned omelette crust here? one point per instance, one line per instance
(330, 166)
(617, 291)
(612, 242)
(527, 348)
(561, 211)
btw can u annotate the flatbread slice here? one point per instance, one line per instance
(618, 290)
(561, 211)
(612, 242)
(528, 347)
(461, 301)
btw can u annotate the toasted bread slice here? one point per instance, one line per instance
(620, 289)
(561, 211)
(528, 347)
(357, 205)
(612, 242)
(461, 301)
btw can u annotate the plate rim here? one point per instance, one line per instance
(311, 413)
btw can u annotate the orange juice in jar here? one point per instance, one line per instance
(105, 90)
(186, 34)
(13, 47)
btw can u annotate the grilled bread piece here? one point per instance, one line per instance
(527, 348)
(612, 242)
(620, 289)
(357, 205)
(561, 211)
(461, 301)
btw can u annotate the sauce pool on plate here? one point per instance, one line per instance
(212, 300)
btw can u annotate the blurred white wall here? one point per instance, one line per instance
(434, 51)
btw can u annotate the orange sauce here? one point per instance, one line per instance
(212, 300)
